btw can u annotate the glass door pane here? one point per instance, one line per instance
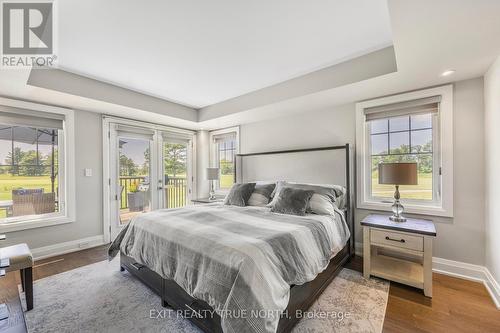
(175, 173)
(134, 177)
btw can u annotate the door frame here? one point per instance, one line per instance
(108, 193)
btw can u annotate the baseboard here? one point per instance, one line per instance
(460, 270)
(493, 287)
(469, 272)
(67, 247)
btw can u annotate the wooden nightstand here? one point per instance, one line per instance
(203, 201)
(399, 251)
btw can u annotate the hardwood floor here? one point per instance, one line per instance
(457, 306)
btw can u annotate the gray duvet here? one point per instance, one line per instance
(240, 260)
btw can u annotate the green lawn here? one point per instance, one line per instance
(421, 191)
(226, 181)
(9, 183)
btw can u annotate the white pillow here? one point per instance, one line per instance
(321, 205)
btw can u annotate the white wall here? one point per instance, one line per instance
(461, 238)
(88, 154)
(202, 163)
(492, 167)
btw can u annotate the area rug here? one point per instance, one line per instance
(100, 298)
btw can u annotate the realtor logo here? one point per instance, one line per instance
(27, 29)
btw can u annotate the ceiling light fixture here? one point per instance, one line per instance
(448, 72)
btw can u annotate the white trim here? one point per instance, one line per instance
(213, 153)
(460, 270)
(469, 272)
(44, 221)
(446, 152)
(67, 247)
(67, 189)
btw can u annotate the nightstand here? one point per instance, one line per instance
(399, 251)
(203, 201)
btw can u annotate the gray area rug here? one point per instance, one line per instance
(100, 298)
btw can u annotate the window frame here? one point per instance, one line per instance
(66, 171)
(214, 161)
(442, 205)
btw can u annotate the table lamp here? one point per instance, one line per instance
(397, 174)
(212, 174)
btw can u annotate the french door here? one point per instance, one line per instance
(148, 169)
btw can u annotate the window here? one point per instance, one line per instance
(413, 127)
(33, 184)
(405, 139)
(224, 147)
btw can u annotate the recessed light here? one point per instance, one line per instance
(448, 72)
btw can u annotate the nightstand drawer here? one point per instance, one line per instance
(397, 239)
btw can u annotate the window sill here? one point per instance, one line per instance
(408, 208)
(34, 223)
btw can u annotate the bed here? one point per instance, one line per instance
(242, 269)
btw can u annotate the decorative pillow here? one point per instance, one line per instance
(261, 194)
(239, 194)
(321, 205)
(292, 201)
(323, 200)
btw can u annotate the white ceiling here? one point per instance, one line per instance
(429, 36)
(200, 53)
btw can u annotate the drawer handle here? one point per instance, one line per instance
(395, 240)
(137, 266)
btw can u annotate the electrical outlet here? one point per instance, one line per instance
(88, 172)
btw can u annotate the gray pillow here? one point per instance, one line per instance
(239, 194)
(261, 194)
(322, 202)
(292, 201)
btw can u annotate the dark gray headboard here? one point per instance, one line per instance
(321, 165)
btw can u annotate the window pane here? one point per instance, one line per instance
(421, 141)
(422, 191)
(29, 175)
(134, 167)
(399, 123)
(379, 126)
(421, 121)
(379, 144)
(25, 146)
(227, 150)
(400, 142)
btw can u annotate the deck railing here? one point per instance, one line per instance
(175, 190)
(126, 182)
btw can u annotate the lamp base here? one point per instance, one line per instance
(212, 196)
(399, 218)
(397, 208)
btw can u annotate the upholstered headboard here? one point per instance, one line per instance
(322, 165)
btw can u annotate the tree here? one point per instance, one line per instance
(420, 154)
(127, 166)
(175, 158)
(226, 167)
(12, 159)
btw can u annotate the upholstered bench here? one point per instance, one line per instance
(21, 259)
